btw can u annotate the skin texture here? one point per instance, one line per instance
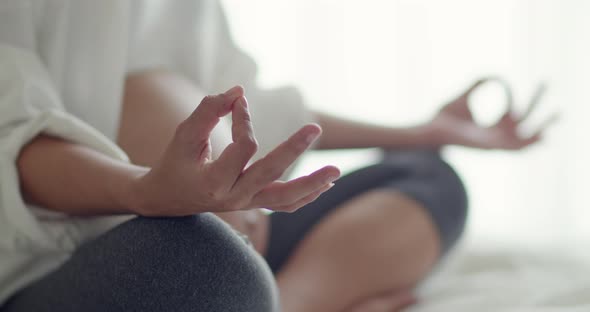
(455, 125)
(168, 143)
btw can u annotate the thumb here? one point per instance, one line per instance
(195, 131)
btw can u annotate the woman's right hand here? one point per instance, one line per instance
(187, 181)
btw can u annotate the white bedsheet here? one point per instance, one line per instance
(509, 280)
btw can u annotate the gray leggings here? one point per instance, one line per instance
(199, 264)
(157, 264)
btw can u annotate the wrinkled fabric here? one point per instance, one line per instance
(62, 70)
(185, 264)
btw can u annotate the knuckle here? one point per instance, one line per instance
(250, 145)
(208, 100)
(271, 173)
(246, 117)
(208, 103)
(215, 196)
(182, 130)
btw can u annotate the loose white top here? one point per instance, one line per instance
(62, 68)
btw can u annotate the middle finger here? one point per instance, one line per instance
(273, 165)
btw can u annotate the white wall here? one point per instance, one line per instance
(394, 62)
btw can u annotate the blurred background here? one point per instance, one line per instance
(395, 62)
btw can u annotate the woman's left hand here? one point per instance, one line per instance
(454, 125)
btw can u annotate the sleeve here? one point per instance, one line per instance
(29, 105)
(193, 38)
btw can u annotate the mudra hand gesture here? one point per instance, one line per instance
(455, 125)
(187, 181)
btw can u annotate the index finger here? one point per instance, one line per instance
(274, 164)
(503, 83)
(474, 86)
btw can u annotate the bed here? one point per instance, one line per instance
(510, 279)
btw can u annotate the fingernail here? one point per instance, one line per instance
(331, 179)
(235, 91)
(242, 101)
(311, 137)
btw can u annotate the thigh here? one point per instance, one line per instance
(421, 175)
(157, 264)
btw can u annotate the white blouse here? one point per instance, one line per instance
(62, 68)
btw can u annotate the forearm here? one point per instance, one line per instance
(74, 179)
(341, 133)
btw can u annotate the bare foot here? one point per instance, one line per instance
(389, 302)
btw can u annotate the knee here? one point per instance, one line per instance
(452, 211)
(437, 185)
(183, 264)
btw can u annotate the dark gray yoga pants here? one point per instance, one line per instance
(157, 265)
(199, 264)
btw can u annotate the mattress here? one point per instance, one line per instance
(513, 279)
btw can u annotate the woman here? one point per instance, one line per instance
(98, 124)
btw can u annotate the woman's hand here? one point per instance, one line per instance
(455, 125)
(186, 181)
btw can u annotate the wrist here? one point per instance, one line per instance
(422, 136)
(131, 194)
(431, 135)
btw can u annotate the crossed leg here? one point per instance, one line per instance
(375, 235)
